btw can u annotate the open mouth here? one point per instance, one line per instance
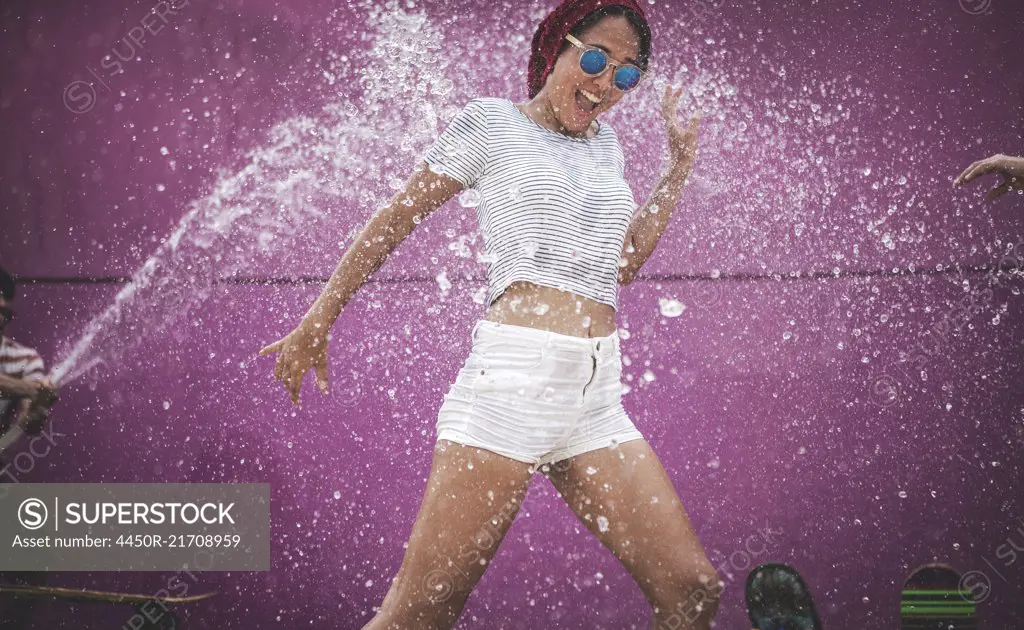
(585, 105)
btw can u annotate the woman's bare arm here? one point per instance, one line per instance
(649, 224)
(425, 192)
(305, 347)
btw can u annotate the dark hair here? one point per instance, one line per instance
(639, 25)
(6, 284)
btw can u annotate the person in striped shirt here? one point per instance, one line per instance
(25, 399)
(541, 388)
(26, 394)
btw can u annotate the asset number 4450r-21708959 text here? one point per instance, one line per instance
(178, 540)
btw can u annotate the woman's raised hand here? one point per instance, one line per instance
(1011, 168)
(682, 141)
(302, 349)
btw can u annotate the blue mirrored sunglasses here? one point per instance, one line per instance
(595, 61)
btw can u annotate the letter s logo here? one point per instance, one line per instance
(79, 97)
(32, 513)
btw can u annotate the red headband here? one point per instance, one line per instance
(547, 41)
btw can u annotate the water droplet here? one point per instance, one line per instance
(443, 282)
(671, 307)
(470, 198)
(530, 248)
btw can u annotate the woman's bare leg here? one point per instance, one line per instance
(471, 498)
(625, 498)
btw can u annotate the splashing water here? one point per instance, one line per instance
(309, 166)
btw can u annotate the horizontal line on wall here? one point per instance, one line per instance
(667, 277)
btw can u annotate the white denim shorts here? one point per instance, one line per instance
(537, 396)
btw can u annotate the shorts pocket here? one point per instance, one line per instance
(507, 370)
(505, 351)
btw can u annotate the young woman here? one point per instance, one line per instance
(541, 388)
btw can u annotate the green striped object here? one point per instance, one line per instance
(932, 599)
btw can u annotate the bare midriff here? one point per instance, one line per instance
(547, 308)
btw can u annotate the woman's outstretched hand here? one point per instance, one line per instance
(1011, 168)
(682, 141)
(302, 349)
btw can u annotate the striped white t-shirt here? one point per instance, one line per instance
(553, 209)
(16, 361)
